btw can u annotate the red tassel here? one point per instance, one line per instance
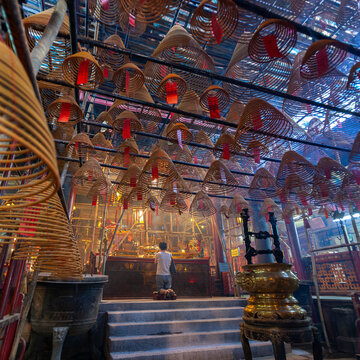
(82, 77)
(132, 20)
(238, 208)
(303, 200)
(322, 61)
(76, 145)
(127, 82)
(94, 200)
(126, 129)
(127, 156)
(105, 5)
(65, 112)
(271, 46)
(257, 122)
(214, 107)
(171, 92)
(155, 172)
(125, 204)
(256, 153)
(216, 28)
(132, 182)
(226, 151)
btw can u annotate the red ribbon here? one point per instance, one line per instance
(322, 61)
(127, 156)
(106, 72)
(195, 159)
(172, 200)
(256, 119)
(83, 73)
(155, 172)
(132, 20)
(326, 213)
(126, 129)
(94, 200)
(271, 46)
(310, 211)
(214, 107)
(303, 200)
(226, 151)
(171, 92)
(65, 112)
(308, 108)
(216, 28)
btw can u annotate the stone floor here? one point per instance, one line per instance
(304, 355)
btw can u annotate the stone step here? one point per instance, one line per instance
(158, 342)
(214, 351)
(173, 327)
(174, 314)
(122, 305)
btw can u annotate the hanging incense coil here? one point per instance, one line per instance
(100, 141)
(294, 163)
(178, 132)
(263, 185)
(152, 203)
(273, 39)
(127, 153)
(168, 81)
(178, 47)
(260, 115)
(107, 12)
(80, 146)
(203, 155)
(138, 197)
(178, 186)
(134, 123)
(27, 147)
(347, 16)
(217, 92)
(321, 58)
(64, 111)
(60, 48)
(354, 78)
(270, 206)
(150, 11)
(131, 25)
(224, 210)
(184, 155)
(238, 203)
(202, 206)
(234, 114)
(226, 147)
(102, 186)
(354, 156)
(129, 180)
(332, 171)
(152, 127)
(111, 59)
(290, 210)
(129, 78)
(219, 180)
(246, 26)
(158, 169)
(173, 202)
(82, 70)
(295, 189)
(209, 26)
(50, 92)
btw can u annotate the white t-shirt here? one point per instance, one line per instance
(163, 261)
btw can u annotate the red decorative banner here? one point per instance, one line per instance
(127, 156)
(171, 92)
(172, 200)
(326, 213)
(226, 151)
(327, 173)
(195, 159)
(133, 182)
(155, 172)
(214, 107)
(126, 129)
(271, 46)
(132, 20)
(308, 108)
(216, 28)
(83, 73)
(256, 120)
(65, 113)
(322, 61)
(139, 196)
(125, 204)
(94, 200)
(303, 200)
(106, 72)
(310, 211)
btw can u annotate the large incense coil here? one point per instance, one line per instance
(61, 47)
(72, 64)
(100, 141)
(295, 189)
(184, 155)
(202, 206)
(42, 232)
(189, 103)
(226, 142)
(347, 15)
(111, 59)
(246, 26)
(270, 206)
(260, 115)
(179, 133)
(130, 26)
(80, 146)
(54, 111)
(105, 12)
(138, 197)
(237, 204)
(49, 92)
(294, 163)
(173, 202)
(178, 47)
(181, 86)
(128, 180)
(149, 11)
(218, 92)
(263, 185)
(152, 127)
(315, 127)
(206, 20)
(102, 186)
(128, 78)
(224, 210)
(321, 58)
(290, 209)
(135, 124)
(354, 78)
(159, 162)
(354, 156)
(273, 39)
(350, 190)
(129, 145)
(219, 180)
(178, 186)
(235, 111)
(104, 118)
(204, 155)
(331, 170)
(27, 148)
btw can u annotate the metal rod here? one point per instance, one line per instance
(335, 247)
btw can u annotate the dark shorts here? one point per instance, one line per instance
(163, 282)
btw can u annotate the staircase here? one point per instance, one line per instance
(191, 329)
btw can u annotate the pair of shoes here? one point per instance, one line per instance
(170, 295)
(158, 296)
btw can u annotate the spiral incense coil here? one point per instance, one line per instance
(347, 16)
(152, 127)
(247, 24)
(82, 70)
(226, 147)
(296, 189)
(100, 141)
(80, 147)
(184, 155)
(158, 169)
(350, 190)
(138, 197)
(263, 185)
(354, 156)
(127, 154)
(106, 12)
(61, 47)
(102, 186)
(178, 47)
(203, 155)
(224, 210)
(64, 111)
(166, 82)
(129, 78)
(152, 203)
(178, 133)
(211, 26)
(131, 25)
(191, 104)
(270, 206)
(294, 163)
(173, 202)
(353, 78)
(217, 92)
(321, 58)
(150, 11)
(50, 92)
(41, 231)
(238, 203)
(178, 186)
(332, 171)
(235, 112)
(219, 180)
(273, 39)
(27, 147)
(111, 59)
(129, 180)
(134, 123)
(202, 206)
(260, 115)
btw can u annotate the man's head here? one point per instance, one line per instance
(163, 246)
